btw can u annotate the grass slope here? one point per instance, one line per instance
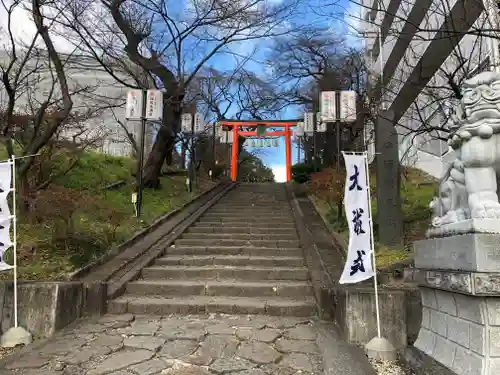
(49, 247)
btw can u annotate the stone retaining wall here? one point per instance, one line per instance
(45, 307)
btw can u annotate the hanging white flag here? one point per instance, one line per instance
(5, 242)
(186, 123)
(199, 123)
(308, 124)
(359, 266)
(5, 178)
(5, 219)
(320, 126)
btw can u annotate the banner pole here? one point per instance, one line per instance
(14, 245)
(374, 263)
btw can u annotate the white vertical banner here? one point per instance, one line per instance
(186, 123)
(218, 130)
(5, 179)
(328, 106)
(133, 108)
(348, 106)
(199, 123)
(5, 216)
(154, 105)
(299, 130)
(358, 266)
(308, 124)
(320, 125)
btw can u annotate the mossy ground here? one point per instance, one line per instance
(104, 219)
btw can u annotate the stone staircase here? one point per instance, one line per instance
(242, 257)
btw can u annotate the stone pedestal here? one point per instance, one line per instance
(459, 278)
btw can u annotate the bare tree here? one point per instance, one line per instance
(171, 46)
(18, 80)
(315, 60)
(46, 111)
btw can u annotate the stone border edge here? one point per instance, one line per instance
(142, 233)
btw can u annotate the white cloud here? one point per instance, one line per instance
(279, 172)
(24, 29)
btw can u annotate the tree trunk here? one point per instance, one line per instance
(169, 159)
(164, 143)
(183, 156)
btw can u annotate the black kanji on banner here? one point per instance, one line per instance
(358, 263)
(354, 180)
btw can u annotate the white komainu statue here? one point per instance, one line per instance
(469, 188)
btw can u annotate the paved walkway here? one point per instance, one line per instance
(194, 345)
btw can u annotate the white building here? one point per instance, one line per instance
(95, 93)
(415, 48)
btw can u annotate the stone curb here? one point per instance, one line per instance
(78, 274)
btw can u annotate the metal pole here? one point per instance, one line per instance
(337, 123)
(14, 232)
(381, 54)
(315, 145)
(372, 244)
(191, 153)
(298, 150)
(213, 148)
(140, 162)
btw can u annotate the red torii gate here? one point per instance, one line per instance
(287, 133)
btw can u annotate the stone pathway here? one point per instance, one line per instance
(180, 345)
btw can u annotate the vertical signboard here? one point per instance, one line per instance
(348, 106)
(133, 108)
(154, 105)
(327, 106)
(320, 125)
(186, 123)
(308, 124)
(199, 124)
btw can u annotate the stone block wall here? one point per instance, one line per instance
(461, 331)
(45, 307)
(355, 314)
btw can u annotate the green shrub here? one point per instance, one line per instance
(301, 173)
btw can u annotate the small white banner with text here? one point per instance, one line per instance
(359, 266)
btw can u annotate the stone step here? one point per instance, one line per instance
(266, 221)
(240, 230)
(225, 272)
(241, 236)
(159, 305)
(248, 214)
(234, 250)
(242, 224)
(240, 243)
(222, 287)
(278, 206)
(227, 208)
(230, 260)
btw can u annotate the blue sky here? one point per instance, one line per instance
(274, 157)
(307, 14)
